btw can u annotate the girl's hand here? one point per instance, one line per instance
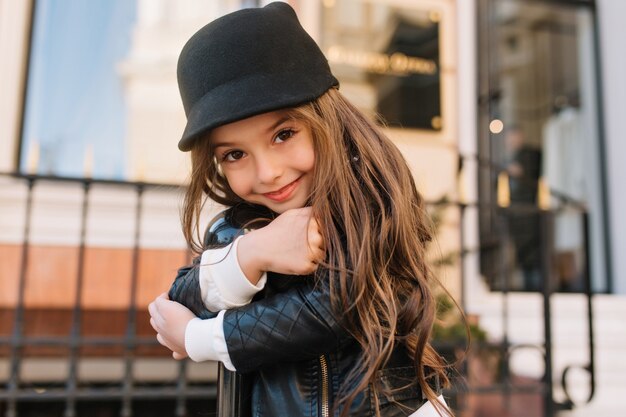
(170, 319)
(291, 244)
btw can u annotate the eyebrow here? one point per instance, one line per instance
(278, 122)
(272, 127)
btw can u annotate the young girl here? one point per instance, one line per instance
(326, 310)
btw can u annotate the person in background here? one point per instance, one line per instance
(524, 168)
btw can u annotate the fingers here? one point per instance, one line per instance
(155, 315)
(315, 241)
(156, 321)
(179, 356)
(162, 341)
(293, 242)
(176, 355)
(161, 300)
(315, 237)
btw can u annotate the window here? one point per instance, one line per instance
(74, 121)
(539, 144)
(387, 59)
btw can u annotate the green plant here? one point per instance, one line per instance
(450, 326)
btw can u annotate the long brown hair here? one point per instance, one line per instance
(375, 228)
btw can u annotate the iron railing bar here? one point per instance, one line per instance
(499, 388)
(590, 366)
(18, 322)
(506, 273)
(547, 224)
(131, 328)
(181, 383)
(70, 405)
(517, 207)
(83, 341)
(209, 392)
(181, 389)
(462, 210)
(477, 345)
(589, 293)
(80, 180)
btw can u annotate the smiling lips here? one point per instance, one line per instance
(283, 193)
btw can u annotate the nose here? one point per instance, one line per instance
(268, 169)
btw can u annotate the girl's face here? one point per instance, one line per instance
(267, 159)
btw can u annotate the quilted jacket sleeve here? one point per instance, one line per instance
(186, 290)
(293, 325)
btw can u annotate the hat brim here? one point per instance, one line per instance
(251, 96)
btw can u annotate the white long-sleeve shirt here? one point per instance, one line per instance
(223, 286)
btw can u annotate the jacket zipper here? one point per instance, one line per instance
(324, 369)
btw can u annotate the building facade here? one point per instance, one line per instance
(507, 111)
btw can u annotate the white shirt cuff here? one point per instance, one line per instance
(223, 284)
(205, 341)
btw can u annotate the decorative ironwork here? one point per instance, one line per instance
(128, 392)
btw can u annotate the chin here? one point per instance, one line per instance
(280, 208)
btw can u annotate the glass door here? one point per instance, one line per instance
(539, 143)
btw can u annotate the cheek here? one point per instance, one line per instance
(310, 160)
(305, 163)
(239, 183)
(305, 158)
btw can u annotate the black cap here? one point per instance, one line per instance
(245, 63)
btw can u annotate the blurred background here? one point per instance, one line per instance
(508, 112)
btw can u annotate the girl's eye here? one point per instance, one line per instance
(284, 135)
(232, 156)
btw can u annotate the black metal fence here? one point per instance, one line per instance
(508, 394)
(71, 396)
(179, 395)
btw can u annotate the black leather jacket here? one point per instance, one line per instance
(291, 352)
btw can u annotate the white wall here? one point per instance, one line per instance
(14, 19)
(475, 289)
(611, 14)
